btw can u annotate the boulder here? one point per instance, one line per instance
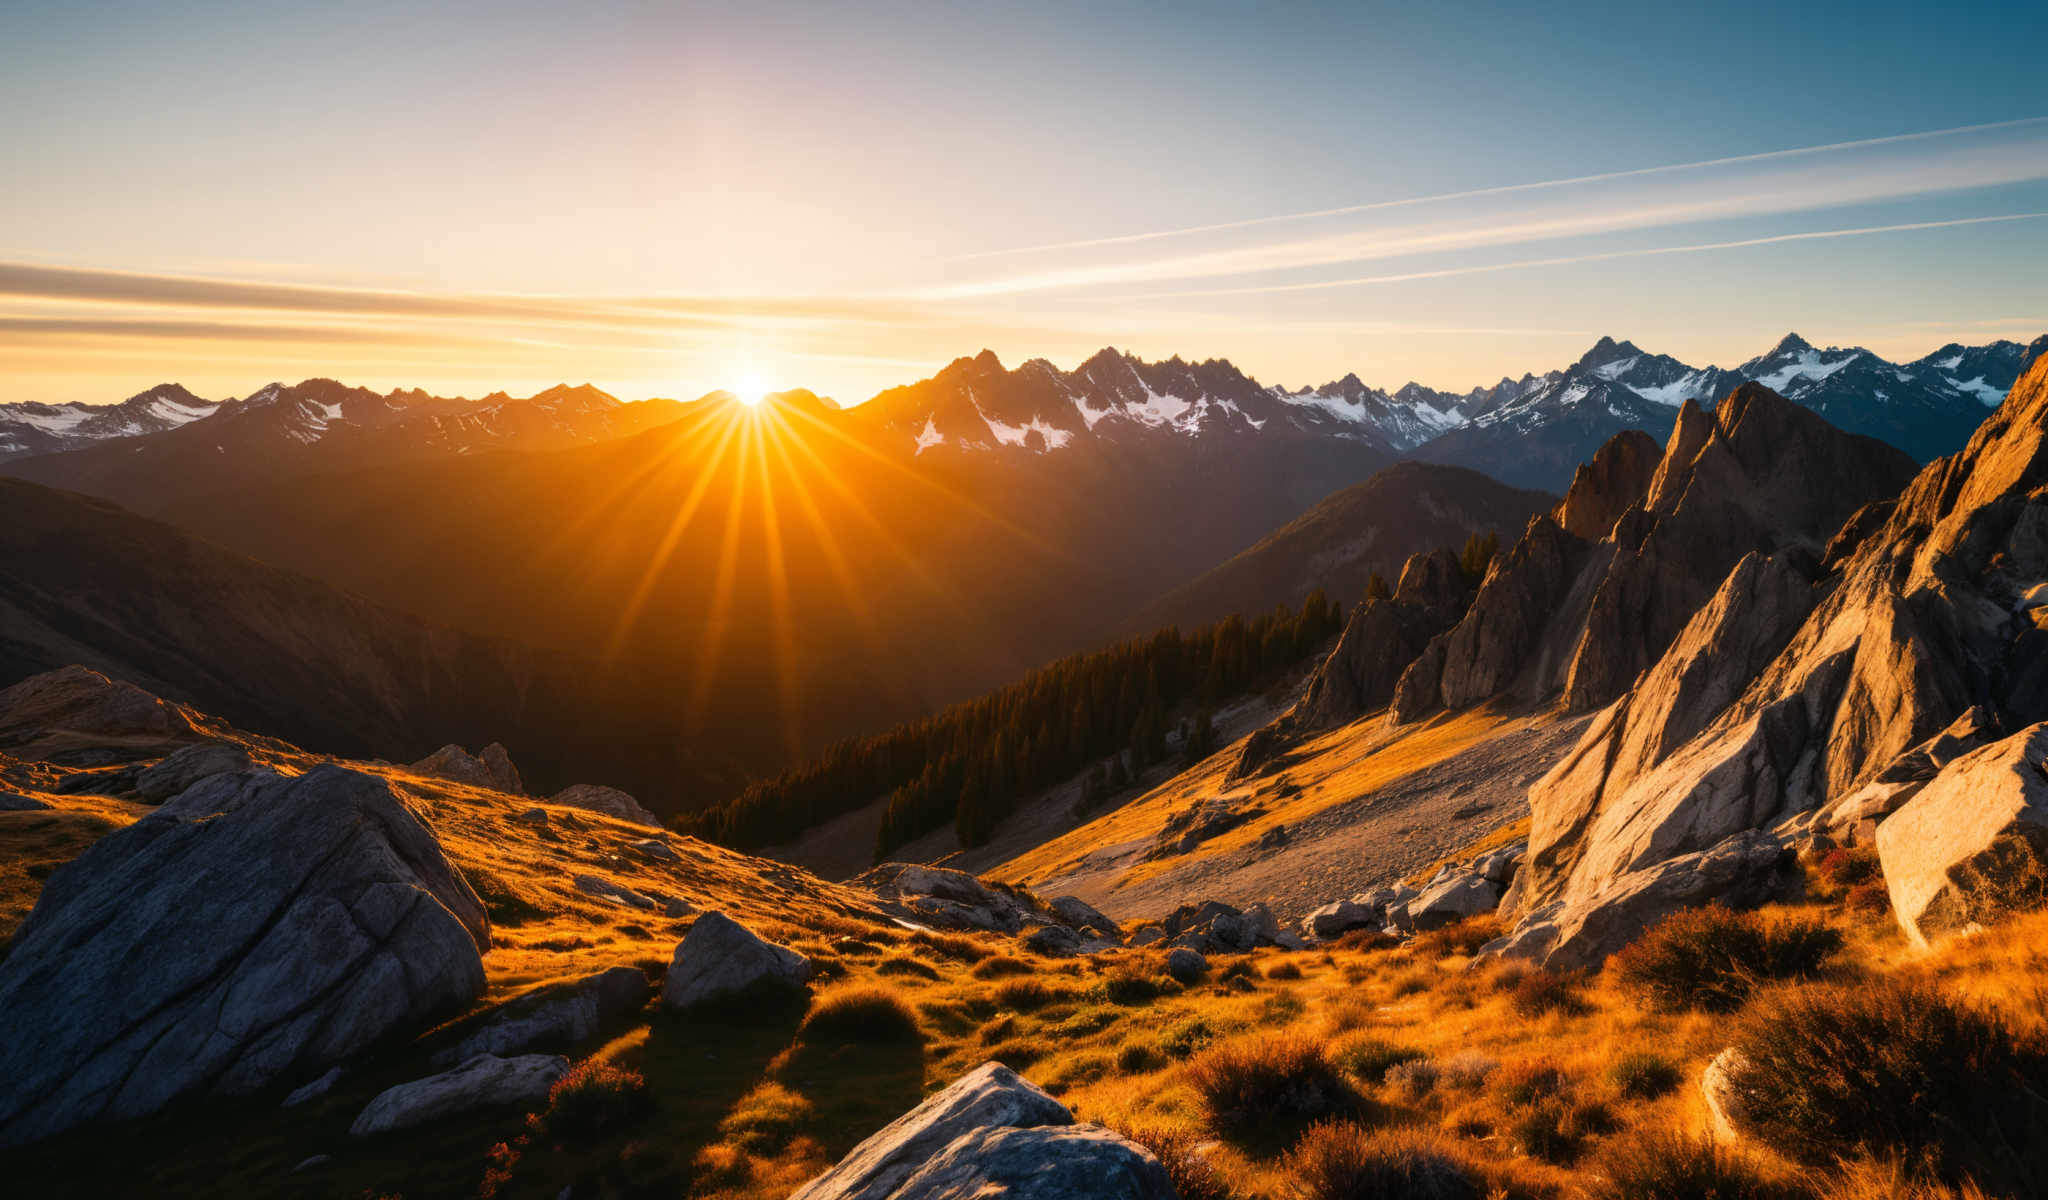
(301, 923)
(989, 1097)
(1146, 935)
(1853, 818)
(485, 1081)
(1740, 872)
(1186, 965)
(184, 767)
(721, 957)
(1973, 844)
(597, 798)
(1723, 1099)
(1053, 941)
(1047, 1162)
(558, 1015)
(1342, 916)
(1458, 897)
(492, 769)
(1083, 916)
(16, 802)
(81, 700)
(656, 850)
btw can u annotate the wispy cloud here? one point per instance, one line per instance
(1775, 183)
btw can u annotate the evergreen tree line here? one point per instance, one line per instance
(971, 763)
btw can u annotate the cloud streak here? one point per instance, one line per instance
(1778, 183)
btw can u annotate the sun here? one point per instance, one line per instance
(750, 389)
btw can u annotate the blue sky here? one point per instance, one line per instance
(845, 196)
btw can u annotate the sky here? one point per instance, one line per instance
(666, 198)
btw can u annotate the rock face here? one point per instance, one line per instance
(1614, 481)
(1925, 620)
(183, 768)
(485, 1081)
(607, 800)
(1380, 639)
(721, 957)
(1717, 1088)
(991, 1133)
(305, 921)
(1974, 842)
(560, 1014)
(1487, 650)
(492, 769)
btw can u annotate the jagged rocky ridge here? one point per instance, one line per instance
(1814, 697)
(1595, 590)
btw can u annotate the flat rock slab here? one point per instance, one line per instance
(485, 1081)
(560, 1014)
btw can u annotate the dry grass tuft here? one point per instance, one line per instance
(1711, 959)
(860, 1014)
(1252, 1081)
(594, 1098)
(1661, 1164)
(1342, 1160)
(1459, 937)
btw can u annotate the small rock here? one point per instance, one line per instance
(720, 956)
(1332, 920)
(1147, 935)
(1186, 965)
(532, 816)
(1452, 899)
(560, 1014)
(314, 1090)
(1053, 941)
(492, 769)
(1082, 915)
(1717, 1085)
(658, 850)
(16, 802)
(483, 1082)
(617, 893)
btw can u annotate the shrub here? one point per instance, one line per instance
(1239, 968)
(1283, 970)
(1342, 1160)
(1712, 959)
(1642, 1075)
(1193, 1176)
(1184, 1039)
(859, 1015)
(1249, 1081)
(1460, 937)
(1466, 1069)
(1530, 1080)
(1001, 966)
(1136, 1058)
(1367, 939)
(1130, 985)
(1665, 1165)
(1543, 1131)
(1414, 1079)
(903, 964)
(1023, 995)
(1846, 868)
(1869, 898)
(1895, 1067)
(594, 1098)
(1370, 1058)
(1540, 992)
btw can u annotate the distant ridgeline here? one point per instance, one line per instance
(971, 763)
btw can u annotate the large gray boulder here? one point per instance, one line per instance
(597, 798)
(1461, 895)
(560, 1014)
(1046, 1162)
(485, 1081)
(1085, 917)
(183, 768)
(721, 957)
(1973, 844)
(303, 921)
(989, 1097)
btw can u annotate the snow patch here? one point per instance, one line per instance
(929, 436)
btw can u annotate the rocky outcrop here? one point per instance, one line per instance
(300, 922)
(1615, 480)
(607, 800)
(950, 899)
(1740, 872)
(183, 768)
(491, 769)
(1380, 639)
(560, 1014)
(81, 700)
(1853, 819)
(991, 1133)
(485, 1081)
(1214, 927)
(1486, 652)
(720, 957)
(1926, 620)
(1973, 844)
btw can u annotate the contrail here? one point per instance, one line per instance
(1569, 260)
(1313, 214)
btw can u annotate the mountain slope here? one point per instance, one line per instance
(82, 581)
(31, 428)
(1371, 528)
